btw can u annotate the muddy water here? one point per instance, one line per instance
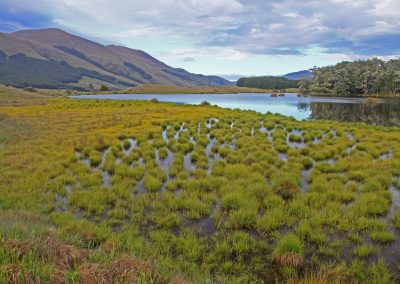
(61, 201)
(387, 155)
(210, 123)
(283, 157)
(210, 144)
(391, 252)
(304, 179)
(291, 144)
(189, 166)
(132, 145)
(166, 163)
(206, 226)
(165, 135)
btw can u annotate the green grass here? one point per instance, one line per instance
(242, 215)
(289, 251)
(152, 184)
(364, 251)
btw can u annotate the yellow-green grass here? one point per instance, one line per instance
(168, 89)
(240, 214)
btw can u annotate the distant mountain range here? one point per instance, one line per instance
(304, 74)
(53, 58)
(291, 76)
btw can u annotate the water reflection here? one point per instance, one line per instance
(387, 114)
(301, 108)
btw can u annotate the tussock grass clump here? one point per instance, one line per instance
(190, 247)
(286, 186)
(383, 237)
(236, 171)
(295, 138)
(152, 184)
(95, 159)
(364, 251)
(242, 243)
(272, 220)
(370, 204)
(244, 218)
(89, 234)
(289, 251)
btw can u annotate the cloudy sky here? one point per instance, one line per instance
(246, 37)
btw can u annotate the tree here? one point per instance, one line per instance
(359, 78)
(103, 88)
(267, 82)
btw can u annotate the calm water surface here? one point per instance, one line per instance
(302, 108)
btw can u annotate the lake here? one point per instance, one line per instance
(386, 113)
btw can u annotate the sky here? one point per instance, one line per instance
(225, 37)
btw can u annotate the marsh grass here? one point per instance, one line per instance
(289, 251)
(237, 216)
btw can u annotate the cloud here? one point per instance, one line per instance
(188, 59)
(274, 27)
(16, 17)
(200, 53)
(232, 77)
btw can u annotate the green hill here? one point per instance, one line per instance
(52, 58)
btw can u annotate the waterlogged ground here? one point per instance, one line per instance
(177, 193)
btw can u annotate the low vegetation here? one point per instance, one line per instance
(100, 191)
(166, 89)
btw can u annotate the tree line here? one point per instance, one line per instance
(267, 82)
(360, 78)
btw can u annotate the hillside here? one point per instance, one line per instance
(52, 58)
(267, 82)
(304, 74)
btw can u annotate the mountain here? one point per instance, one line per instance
(53, 58)
(304, 74)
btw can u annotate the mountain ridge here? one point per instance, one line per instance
(303, 74)
(84, 63)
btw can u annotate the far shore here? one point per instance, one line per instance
(167, 89)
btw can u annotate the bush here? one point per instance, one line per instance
(30, 89)
(103, 88)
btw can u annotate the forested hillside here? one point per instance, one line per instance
(267, 82)
(359, 78)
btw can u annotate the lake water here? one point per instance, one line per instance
(302, 108)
